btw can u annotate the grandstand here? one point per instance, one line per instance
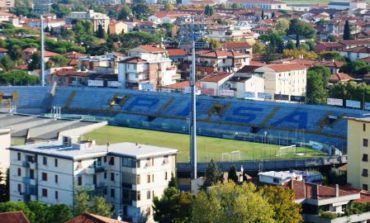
(259, 121)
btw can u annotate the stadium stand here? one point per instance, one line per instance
(281, 123)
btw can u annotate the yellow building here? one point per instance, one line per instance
(358, 151)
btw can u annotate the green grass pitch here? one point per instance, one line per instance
(208, 147)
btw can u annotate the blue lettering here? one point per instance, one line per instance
(298, 118)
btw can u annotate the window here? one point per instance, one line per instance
(105, 159)
(56, 162)
(148, 179)
(365, 157)
(112, 193)
(112, 176)
(105, 175)
(365, 142)
(32, 174)
(44, 192)
(153, 178)
(56, 195)
(44, 161)
(137, 179)
(94, 179)
(44, 176)
(56, 179)
(111, 161)
(138, 196)
(365, 173)
(79, 180)
(19, 156)
(19, 188)
(19, 172)
(364, 127)
(165, 176)
(364, 187)
(148, 195)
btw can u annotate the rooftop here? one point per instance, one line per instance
(89, 150)
(13, 217)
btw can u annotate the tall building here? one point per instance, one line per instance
(128, 175)
(358, 135)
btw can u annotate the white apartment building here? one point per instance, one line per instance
(96, 18)
(147, 68)
(284, 81)
(4, 144)
(128, 175)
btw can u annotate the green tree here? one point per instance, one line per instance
(232, 174)
(81, 202)
(59, 213)
(35, 62)
(331, 55)
(101, 207)
(300, 28)
(231, 203)
(274, 41)
(316, 90)
(125, 13)
(6, 63)
(40, 210)
(209, 10)
(59, 61)
(60, 11)
(100, 33)
(173, 182)
(356, 68)
(282, 201)
(141, 11)
(213, 175)
(347, 31)
(168, 7)
(282, 25)
(15, 52)
(173, 207)
(214, 44)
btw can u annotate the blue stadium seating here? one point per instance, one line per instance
(220, 117)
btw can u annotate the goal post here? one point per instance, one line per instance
(285, 150)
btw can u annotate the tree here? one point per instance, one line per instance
(81, 202)
(100, 33)
(231, 203)
(331, 55)
(6, 63)
(125, 13)
(300, 28)
(59, 61)
(213, 175)
(316, 91)
(173, 182)
(59, 213)
(141, 11)
(356, 68)
(282, 25)
(274, 41)
(232, 175)
(282, 201)
(101, 207)
(208, 10)
(347, 31)
(168, 7)
(174, 206)
(273, 14)
(214, 44)
(35, 62)
(15, 52)
(299, 53)
(40, 210)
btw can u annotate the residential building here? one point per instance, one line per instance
(97, 19)
(128, 175)
(6, 4)
(166, 17)
(92, 218)
(117, 27)
(4, 144)
(262, 4)
(42, 6)
(356, 53)
(248, 87)
(208, 62)
(212, 84)
(358, 135)
(103, 64)
(147, 68)
(286, 82)
(284, 177)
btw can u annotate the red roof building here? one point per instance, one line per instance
(13, 217)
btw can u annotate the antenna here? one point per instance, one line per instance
(193, 118)
(42, 52)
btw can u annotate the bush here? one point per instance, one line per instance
(328, 215)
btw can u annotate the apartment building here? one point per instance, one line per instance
(128, 175)
(4, 144)
(358, 135)
(286, 82)
(96, 19)
(147, 68)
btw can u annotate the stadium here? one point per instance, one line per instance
(279, 125)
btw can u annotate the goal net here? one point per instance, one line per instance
(286, 150)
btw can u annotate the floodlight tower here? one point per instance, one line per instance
(193, 113)
(42, 51)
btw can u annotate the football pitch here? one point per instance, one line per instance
(208, 147)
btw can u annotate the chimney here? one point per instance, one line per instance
(336, 190)
(317, 187)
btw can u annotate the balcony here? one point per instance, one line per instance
(99, 169)
(25, 164)
(90, 171)
(29, 181)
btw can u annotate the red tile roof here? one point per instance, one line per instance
(152, 49)
(340, 77)
(92, 218)
(3, 50)
(233, 45)
(176, 52)
(286, 67)
(181, 85)
(216, 77)
(134, 60)
(13, 217)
